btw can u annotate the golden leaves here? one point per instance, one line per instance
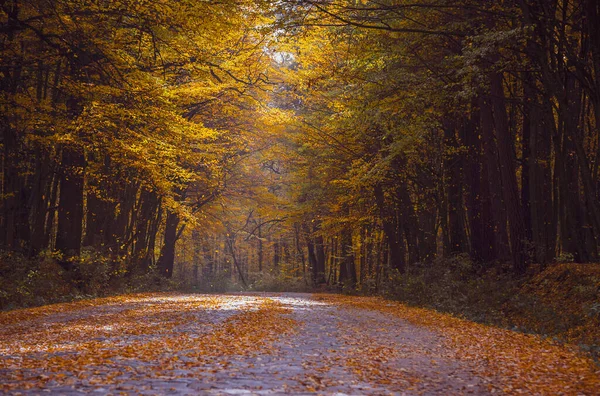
(523, 363)
(103, 341)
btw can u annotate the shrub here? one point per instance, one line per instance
(278, 282)
(150, 281)
(456, 285)
(26, 282)
(220, 282)
(561, 301)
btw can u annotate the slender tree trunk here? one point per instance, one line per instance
(480, 222)
(319, 271)
(260, 248)
(542, 197)
(347, 266)
(70, 204)
(510, 189)
(392, 233)
(312, 257)
(166, 259)
(453, 176)
(526, 159)
(491, 176)
(141, 246)
(50, 224)
(409, 223)
(276, 253)
(39, 194)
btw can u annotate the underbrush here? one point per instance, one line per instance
(221, 282)
(455, 285)
(28, 282)
(561, 301)
(283, 279)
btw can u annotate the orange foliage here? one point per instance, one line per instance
(523, 363)
(29, 342)
(563, 301)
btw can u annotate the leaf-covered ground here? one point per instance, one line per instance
(271, 344)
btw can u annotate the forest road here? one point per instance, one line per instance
(261, 344)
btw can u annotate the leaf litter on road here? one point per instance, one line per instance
(275, 343)
(521, 363)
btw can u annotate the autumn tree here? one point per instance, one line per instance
(117, 121)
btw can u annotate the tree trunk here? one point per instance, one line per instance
(453, 175)
(542, 198)
(392, 233)
(510, 189)
(166, 259)
(409, 223)
(260, 248)
(319, 271)
(40, 195)
(479, 215)
(70, 204)
(276, 253)
(491, 176)
(347, 267)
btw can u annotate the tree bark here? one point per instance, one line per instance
(510, 189)
(166, 259)
(453, 175)
(392, 233)
(491, 177)
(347, 267)
(70, 204)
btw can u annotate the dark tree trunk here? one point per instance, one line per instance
(11, 180)
(10, 187)
(276, 253)
(312, 257)
(50, 225)
(209, 263)
(526, 159)
(443, 218)
(392, 233)
(39, 210)
(260, 248)
(94, 220)
(299, 250)
(510, 189)
(347, 267)
(100, 208)
(118, 230)
(316, 256)
(409, 223)
(319, 270)
(70, 204)
(148, 207)
(542, 198)
(480, 222)
(453, 177)
(152, 235)
(491, 176)
(166, 259)
(229, 241)
(427, 242)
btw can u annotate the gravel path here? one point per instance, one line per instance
(189, 344)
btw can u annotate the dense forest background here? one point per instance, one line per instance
(370, 146)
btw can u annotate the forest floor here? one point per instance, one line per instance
(167, 343)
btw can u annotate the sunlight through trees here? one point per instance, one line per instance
(294, 143)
